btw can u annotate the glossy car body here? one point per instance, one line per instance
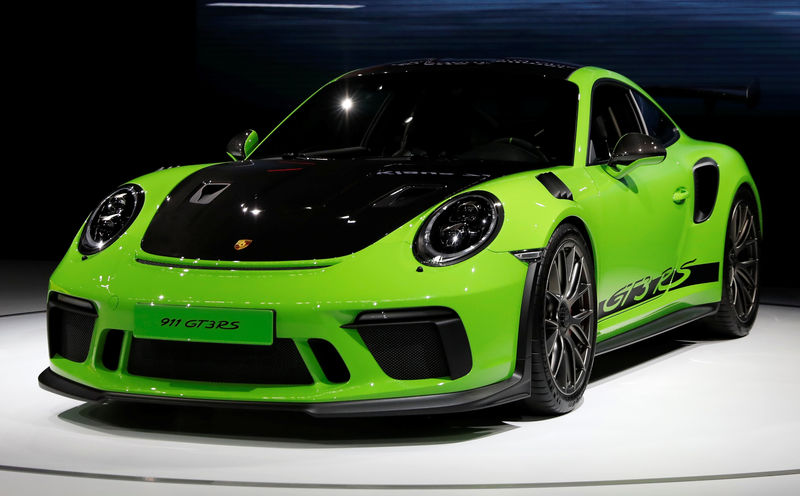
(328, 261)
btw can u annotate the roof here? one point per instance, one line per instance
(546, 68)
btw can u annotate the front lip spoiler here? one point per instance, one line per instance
(512, 389)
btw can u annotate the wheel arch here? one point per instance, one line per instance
(581, 226)
(543, 398)
(749, 189)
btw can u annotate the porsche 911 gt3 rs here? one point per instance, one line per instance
(418, 237)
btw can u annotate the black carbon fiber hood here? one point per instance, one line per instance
(303, 210)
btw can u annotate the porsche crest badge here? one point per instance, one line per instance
(242, 244)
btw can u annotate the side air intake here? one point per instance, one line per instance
(706, 186)
(70, 324)
(416, 343)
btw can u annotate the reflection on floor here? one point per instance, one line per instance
(679, 413)
(254, 427)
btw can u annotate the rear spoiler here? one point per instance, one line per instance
(749, 95)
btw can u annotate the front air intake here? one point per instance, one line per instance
(112, 347)
(416, 343)
(70, 324)
(407, 351)
(278, 363)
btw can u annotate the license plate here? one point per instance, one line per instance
(204, 324)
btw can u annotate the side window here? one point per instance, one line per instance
(613, 116)
(658, 125)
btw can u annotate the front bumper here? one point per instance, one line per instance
(486, 293)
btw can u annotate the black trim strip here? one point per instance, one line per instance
(698, 274)
(372, 487)
(656, 327)
(522, 369)
(206, 267)
(649, 287)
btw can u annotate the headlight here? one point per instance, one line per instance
(110, 219)
(459, 229)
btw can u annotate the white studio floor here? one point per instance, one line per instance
(671, 415)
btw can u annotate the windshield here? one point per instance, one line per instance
(434, 115)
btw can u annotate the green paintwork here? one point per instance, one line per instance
(680, 195)
(247, 147)
(623, 170)
(637, 228)
(251, 143)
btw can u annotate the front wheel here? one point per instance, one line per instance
(564, 329)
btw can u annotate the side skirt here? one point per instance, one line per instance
(656, 327)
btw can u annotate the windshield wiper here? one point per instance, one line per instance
(291, 155)
(347, 152)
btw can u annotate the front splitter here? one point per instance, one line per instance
(512, 389)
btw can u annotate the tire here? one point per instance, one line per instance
(564, 324)
(738, 306)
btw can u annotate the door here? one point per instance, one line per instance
(642, 218)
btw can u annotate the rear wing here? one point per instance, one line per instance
(749, 95)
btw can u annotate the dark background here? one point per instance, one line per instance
(99, 93)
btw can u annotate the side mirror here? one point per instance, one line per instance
(242, 145)
(633, 150)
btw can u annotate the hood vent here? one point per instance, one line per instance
(206, 193)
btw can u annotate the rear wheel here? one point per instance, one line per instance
(739, 303)
(564, 325)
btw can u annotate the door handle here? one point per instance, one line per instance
(680, 195)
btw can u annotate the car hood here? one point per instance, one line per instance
(303, 209)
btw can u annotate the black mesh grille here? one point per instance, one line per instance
(70, 322)
(407, 351)
(279, 363)
(112, 346)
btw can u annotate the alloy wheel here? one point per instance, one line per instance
(569, 317)
(743, 261)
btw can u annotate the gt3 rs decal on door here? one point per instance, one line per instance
(649, 287)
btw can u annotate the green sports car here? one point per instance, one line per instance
(419, 237)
